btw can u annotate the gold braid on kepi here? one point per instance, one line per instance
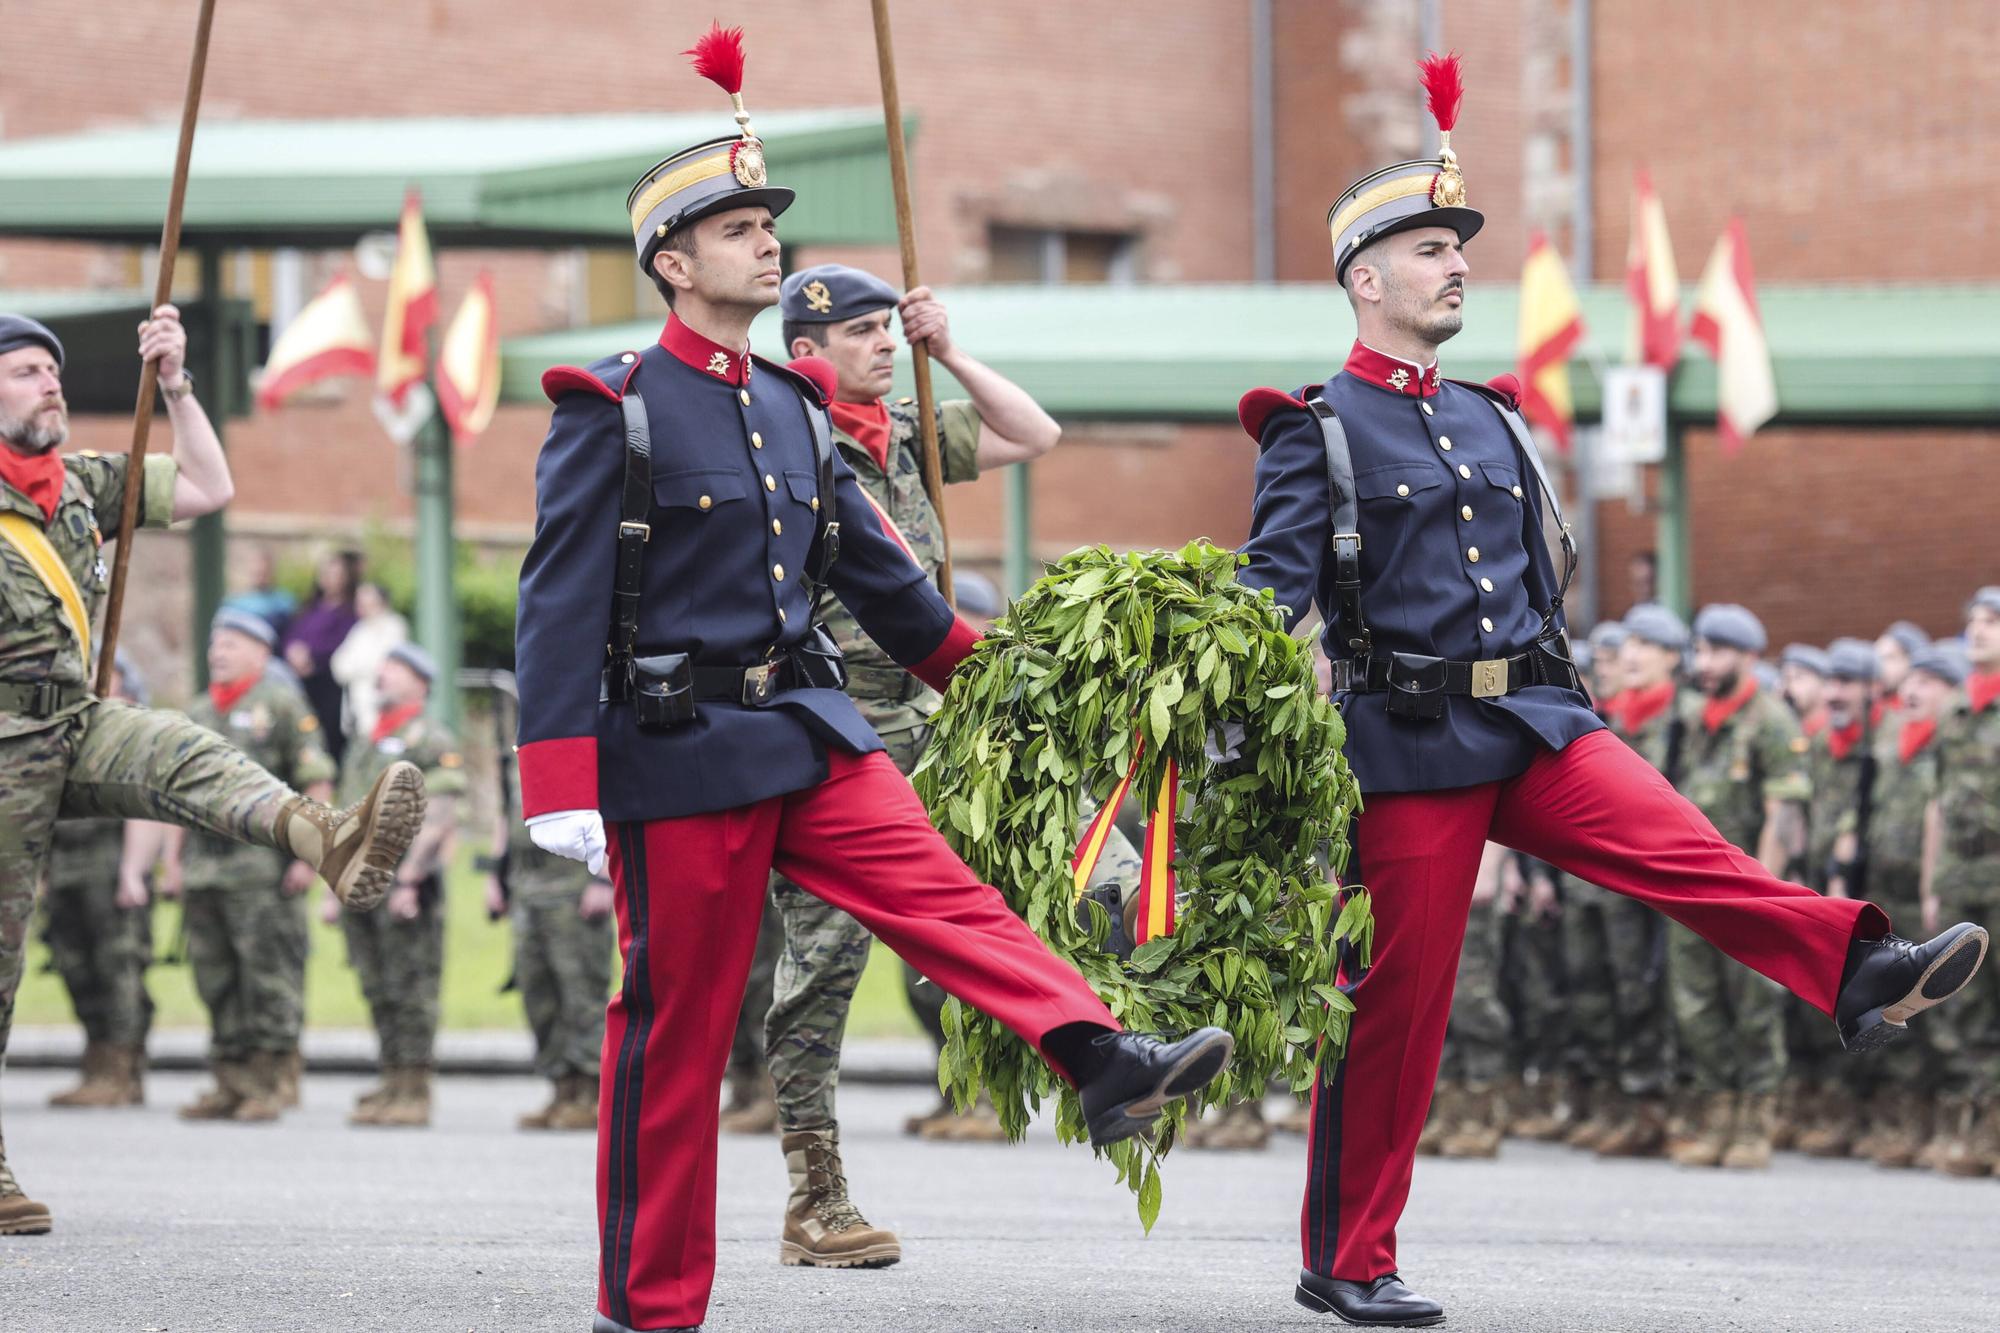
(1427, 192)
(714, 175)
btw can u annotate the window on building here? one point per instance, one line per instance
(1055, 255)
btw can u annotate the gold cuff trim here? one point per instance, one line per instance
(674, 182)
(1387, 192)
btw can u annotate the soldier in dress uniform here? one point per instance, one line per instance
(246, 906)
(691, 488)
(1427, 557)
(66, 753)
(99, 929)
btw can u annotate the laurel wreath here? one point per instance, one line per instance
(1168, 646)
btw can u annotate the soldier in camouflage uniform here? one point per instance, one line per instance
(1745, 769)
(397, 947)
(847, 317)
(1962, 861)
(246, 906)
(66, 754)
(753, 1105)
(1534, 988)
(1468, 1114)
(100, 942)
(563, 940)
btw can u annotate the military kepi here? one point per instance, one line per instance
(1429, 192)
(830, 293)
(711, 176)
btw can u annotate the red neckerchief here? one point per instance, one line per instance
(226, 697)
(1386, 372)
(1840, 741)
(1982, 687)
(1638, 707)
(1916, 734)
(1609, 704)
(392, 721)
(705, 354)
(1813, 723)
(1718, 711)
(37, 476)
(868, 423)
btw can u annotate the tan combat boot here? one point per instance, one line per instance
(1587, 1133)
(540, 1119)
(1535, 1113)
(1238, 1127)
(356, 850)
(823, 1228)
(979, 1124)
(1446, 1102)
(291, 1073)
(577, 1109)
(19, 1214)
(1641, 1131)
(1833, 1129)
(262, 1097)
(1905, 1127)
(1982, 1155)
(1950, 1148)
(89, 1091)
(409, 1104)
(367, 1104)
(1480, 1125)
(1750, 1144)
(1714, 1128)
(1298, 1116)
(753, 1105)
(219, 1102)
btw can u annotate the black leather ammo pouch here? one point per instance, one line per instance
(1416, 687)
(661, 690)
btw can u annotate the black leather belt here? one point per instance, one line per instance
(1380, 673)
(745, 685)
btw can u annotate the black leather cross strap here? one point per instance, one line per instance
(1380, 672)
(635, 529)
(1346, 532)
(826, 541)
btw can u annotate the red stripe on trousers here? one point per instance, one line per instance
(1594, 809)
(859, 840)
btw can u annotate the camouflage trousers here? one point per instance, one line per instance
(1619, 1024)
(247, 947)
(562, 963)
(746, 1047)
(1729, 1021)
(401, 967)
(1475, 1039)
(1966, 1032)
(1533, 990)
(112, 760)
(101, 951)
(820, 964)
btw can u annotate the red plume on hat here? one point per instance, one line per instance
(1444, 89)
(718, 57)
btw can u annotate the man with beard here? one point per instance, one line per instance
(63, 751)
(1409, 508)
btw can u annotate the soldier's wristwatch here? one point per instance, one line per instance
(181, 390)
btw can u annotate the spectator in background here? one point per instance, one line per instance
(377, 629)
(318, 629)
(1642, 577)
(258, 591)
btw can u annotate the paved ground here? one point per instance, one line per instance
(164, 1226)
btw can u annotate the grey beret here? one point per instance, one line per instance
(18, 331)
(1805, 657)
(1910, 636)
(1657, 625)
(1731, 626)
(1945, 659)
(1851, 659)
(416, 659)
(830, 293)
(1583, 657)
(248, 624)
(1606, 635)
(976, 595)
(1988, 597)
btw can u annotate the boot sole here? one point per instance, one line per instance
(1191, 1072)
(1944, 978)
(31, 1225)
(1318, 1305)
(396, 812)
(793, 1255)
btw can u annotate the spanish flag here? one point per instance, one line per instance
(1652, 282)
(1726, 322)
(468, 381)
(413, 308)
(329, 337)
(1551, 324)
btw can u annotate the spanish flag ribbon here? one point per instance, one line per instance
(1156, 876)
(1091, 850)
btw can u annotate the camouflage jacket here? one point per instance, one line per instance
(1896, 818)
(36, 641)
(1836, 798)
(1654, 740)
(421, 741)
(891, 699)
(534, 875)
(85, 853)
(1757, 755)
(1967, 752)
(274, 725)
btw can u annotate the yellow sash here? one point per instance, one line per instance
(27, 537)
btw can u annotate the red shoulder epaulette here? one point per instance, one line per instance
(1503, 391)
(1260, 405)
(1510, 386)
(559, 380)
(812, 374)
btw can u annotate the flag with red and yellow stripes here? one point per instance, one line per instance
(1551, 326)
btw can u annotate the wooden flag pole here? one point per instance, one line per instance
(149, 374)
(906, 229)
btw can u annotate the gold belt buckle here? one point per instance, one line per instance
(1489, 678)
(757, 683)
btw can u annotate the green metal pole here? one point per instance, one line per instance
(221, 379)
(1676, 558)
(437, 598)
(1020, 568)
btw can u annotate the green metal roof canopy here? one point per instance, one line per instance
(1187, 352)
(487, 181)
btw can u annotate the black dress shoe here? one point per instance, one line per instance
(1888, 980)
(1141, 1074)
(1383, 1302)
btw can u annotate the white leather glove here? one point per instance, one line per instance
(576, 834)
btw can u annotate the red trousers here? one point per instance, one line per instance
(690, 896)
(1594, 809)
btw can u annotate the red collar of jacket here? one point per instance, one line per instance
(1388, 372)
(705, 354)
(1718, 711)
(37, 476)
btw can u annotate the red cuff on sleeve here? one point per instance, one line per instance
(935, 670)
(558, 775)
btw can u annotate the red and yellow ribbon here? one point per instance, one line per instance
(1156, 875)
(1091, 850)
